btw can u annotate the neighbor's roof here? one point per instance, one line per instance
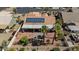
(4, 37)
(3, 26)
(74, 28)
(5, 18)
(27, 9)
(70, 16)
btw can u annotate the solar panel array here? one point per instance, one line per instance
(26, 9)
(35, 19)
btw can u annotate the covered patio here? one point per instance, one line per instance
(34, 28)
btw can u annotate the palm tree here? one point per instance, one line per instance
(44, 30)
(58, 30)
(18, 19)
(14, 10)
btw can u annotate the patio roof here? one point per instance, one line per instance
(35, 26)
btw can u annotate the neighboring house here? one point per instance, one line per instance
(5, 21)
(23, 10)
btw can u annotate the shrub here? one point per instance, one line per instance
(11, 49)
(33, 49)
(22, 49)
(24, 41)
(55, 49)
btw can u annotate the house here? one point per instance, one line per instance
(35, 20)
(23, 10)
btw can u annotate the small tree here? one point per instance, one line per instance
(58, 30)
(24, 41)
(59, 21)
(14, 10)
(44, 29)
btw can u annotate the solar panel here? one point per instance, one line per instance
(21, 9)
(35, 19)
(26, 9)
